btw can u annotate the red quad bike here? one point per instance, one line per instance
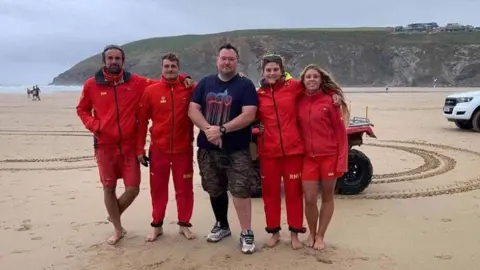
(360, 170)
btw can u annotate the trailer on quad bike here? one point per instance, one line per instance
(360, 169)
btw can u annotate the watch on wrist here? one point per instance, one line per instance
(223, 130)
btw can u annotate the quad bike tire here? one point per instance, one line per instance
(359, 174)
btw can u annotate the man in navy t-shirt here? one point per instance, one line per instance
(223, 106)
(221, 102)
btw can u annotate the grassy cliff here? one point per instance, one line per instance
(355, 56)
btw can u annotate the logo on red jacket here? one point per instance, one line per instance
(163, 100)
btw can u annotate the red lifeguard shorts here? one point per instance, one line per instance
(114, 164)
(320, 168)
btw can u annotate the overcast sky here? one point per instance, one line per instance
(41, 38)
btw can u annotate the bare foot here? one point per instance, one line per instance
(116, 237)
(310, 241)
(296, 244)
(319, 244)
(155, 234)
(273, 241)
(185, 231)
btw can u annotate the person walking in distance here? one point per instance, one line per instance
(223, 107)
(323, 127)
(280, 149)
(171, 149)
(112, 94)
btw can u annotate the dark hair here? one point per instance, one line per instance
(172, 57)
(113, 47)
(273, 58)
(228, 46)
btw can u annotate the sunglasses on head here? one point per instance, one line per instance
(272, 58)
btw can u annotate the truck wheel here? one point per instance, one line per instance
(257, 192)
(476, 121)
(359, 174)
(464, 124)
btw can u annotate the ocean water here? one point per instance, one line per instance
(45, 89)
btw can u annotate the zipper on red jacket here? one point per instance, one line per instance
(310, 124)
(278, 121)
(118, 117)
(173, 120)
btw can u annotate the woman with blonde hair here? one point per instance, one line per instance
(323, 128)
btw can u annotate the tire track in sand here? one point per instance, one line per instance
(49, 133)
(435, 164)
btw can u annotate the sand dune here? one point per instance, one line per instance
(421, 211)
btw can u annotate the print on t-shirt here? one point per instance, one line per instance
(218, 108)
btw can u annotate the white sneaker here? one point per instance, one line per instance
(217, 233)
(247, 242)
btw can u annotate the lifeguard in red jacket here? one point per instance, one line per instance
(280, 149)
(107, 107)
(113, 95)
(171, 149)
(323, 128)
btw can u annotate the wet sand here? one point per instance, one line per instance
(422, 210)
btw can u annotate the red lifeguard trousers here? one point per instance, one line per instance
(181, 166)
(273, 170)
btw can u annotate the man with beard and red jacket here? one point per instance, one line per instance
(171, 149)
(107, 107)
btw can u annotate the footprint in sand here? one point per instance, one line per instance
(446, 220)
(317, 256)
(36, 238)
(362, 258)
(444, 257)
(19, 251)
(153, 265)
(25, 226)
(323, 260)
(101, 223)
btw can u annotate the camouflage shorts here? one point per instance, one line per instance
(221, 171)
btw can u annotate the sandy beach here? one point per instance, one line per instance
(421, 212)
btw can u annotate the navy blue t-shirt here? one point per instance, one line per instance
(221, 102)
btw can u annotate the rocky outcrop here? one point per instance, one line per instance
(355, 58)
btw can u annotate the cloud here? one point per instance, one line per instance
(50, 36)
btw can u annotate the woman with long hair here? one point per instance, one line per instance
(323, 128)
(280, 149)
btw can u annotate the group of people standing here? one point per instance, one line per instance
(302, 140)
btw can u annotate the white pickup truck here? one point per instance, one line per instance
(463, 109)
